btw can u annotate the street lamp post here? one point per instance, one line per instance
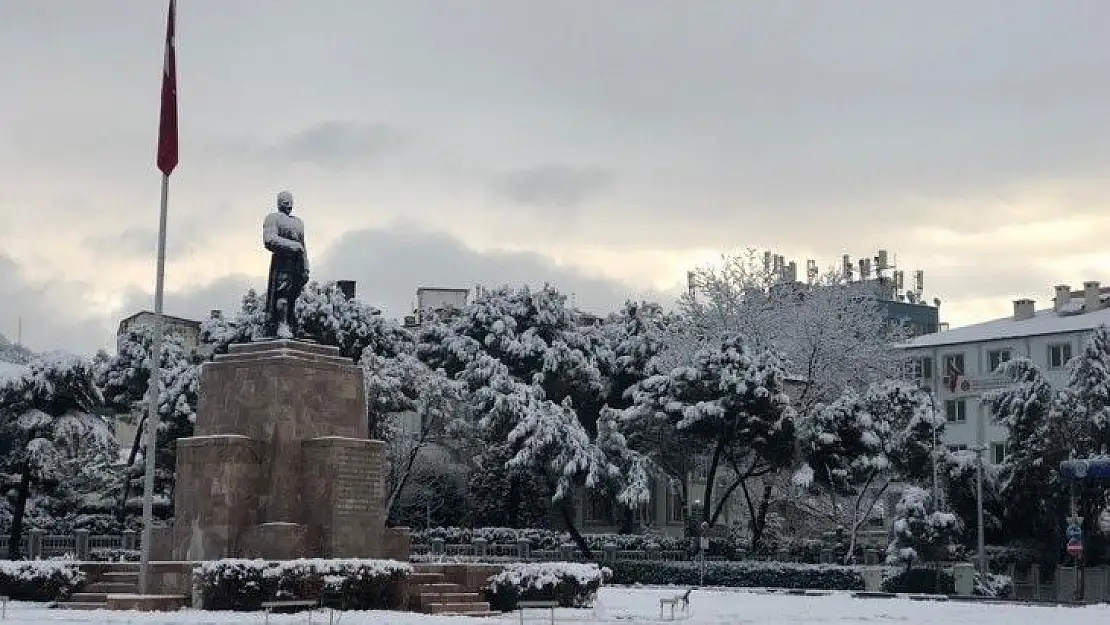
(981, 551)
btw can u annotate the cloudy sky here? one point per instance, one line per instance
(605, 146)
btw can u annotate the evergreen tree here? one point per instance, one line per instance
(1039, 436)
(920, 532)
(46, 413)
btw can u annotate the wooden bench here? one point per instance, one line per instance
(675, 601)
(537, 605)
(270, 606)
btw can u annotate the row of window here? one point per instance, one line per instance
(1056, 357)
(998, 451)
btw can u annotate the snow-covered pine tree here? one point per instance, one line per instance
(1088, 393)
(246, 325)
(327, 315)
(854, 449)
(729, 401)
(533, 369)
(48, 411)
(921, 532)
(409, 406)
(124, 381)
(1039, 436)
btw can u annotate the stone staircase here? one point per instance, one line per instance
(431, 592)
(120, 578)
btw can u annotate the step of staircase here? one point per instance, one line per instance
(82, 605)
(468, 606)
(113, 588)
(478, 614)
(428, 598)
(89, 597)
(120, 576)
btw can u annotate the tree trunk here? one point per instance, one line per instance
(759, 523)
(710, 477)
(23, 493)
(126, 489)
(567, 512)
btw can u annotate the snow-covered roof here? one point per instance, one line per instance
(1045, 321)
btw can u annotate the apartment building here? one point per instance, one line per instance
(960, 365)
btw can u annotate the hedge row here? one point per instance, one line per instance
(39, 580)
(572, 584)
(739, 575)
(348, 584)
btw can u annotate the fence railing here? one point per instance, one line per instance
(81, 545)
(480, 550)
(84, 546)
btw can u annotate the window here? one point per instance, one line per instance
(955, 410)
(954, 364)
(1059, 355)
(598, 509)
(674, 505)
(921, 368)
(996, 357)
(955, 448)
(998, 453)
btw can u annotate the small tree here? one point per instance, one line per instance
(920, 532)
(45, 413)
(855, 448)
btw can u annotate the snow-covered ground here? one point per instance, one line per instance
(635, 606)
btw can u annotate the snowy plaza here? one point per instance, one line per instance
(635, 605)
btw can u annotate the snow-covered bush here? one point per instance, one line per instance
(543, 538)
(354, 584)
(572, 584)
(921, 532)
(992, 585)
(739, 574)
(39, 580)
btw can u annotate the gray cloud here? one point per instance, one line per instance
(554, 186)
(55, 314)
(340, 143)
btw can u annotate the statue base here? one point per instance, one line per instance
(280, 465)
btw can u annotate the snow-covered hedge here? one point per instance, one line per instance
(740, 574)
(39, 580)
(353, 584)
(541, 538)
(572, 584)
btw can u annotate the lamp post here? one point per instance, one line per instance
(981, 555)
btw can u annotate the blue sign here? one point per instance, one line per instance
(1091, 470)
(1075, 533)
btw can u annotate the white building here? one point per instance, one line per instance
(958, 365)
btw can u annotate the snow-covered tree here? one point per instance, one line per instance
(327, 315)
(533, 369)
(961, 496)
(921, 532)
(1040, 435)
(856, 447)
(728, 402)
(832, 334)
(409, 405)
(124, 380)
(47, 413)
(323, 313)
(1087, 398)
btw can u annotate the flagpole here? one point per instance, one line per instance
(167, 161)
(153, 393)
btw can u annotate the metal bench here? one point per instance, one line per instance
(675, 601)
(537, 605)
(269, 606)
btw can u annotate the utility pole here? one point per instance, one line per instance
(980, 447)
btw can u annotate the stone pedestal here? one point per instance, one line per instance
(280, 466)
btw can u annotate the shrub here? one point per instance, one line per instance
(39, 580)
(572, 584)
(994, 586)
(349, 584)
(542, 538)
(739, 574)
(921, 581)
(114, 555)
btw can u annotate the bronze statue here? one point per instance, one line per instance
(283, 235)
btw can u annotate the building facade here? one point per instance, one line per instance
(960, 365)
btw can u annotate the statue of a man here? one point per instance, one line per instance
(283, 235)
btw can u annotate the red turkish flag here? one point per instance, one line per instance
(167, 123)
